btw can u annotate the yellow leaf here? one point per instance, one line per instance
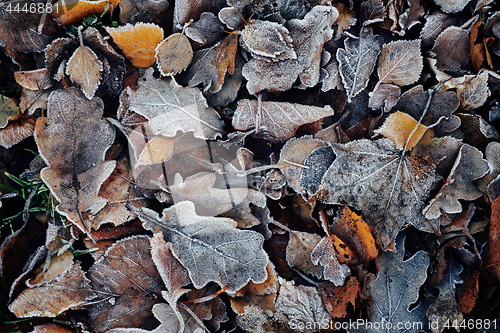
(403, 130)
(157, 150)
(138, 42)
(74, 11)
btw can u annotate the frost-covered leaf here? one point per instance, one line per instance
(346, 19)
(400, 62)
(127, 284)
(324, 254)
(452, 6)
(138, 42)
(210, 248)
(74, 12)
(333, 80)
(76, 167)
(452, 48)
(132, 11)
(8, 111)
(207, 31)
(84, 69)
(372, 11)
(357, 61)
(51, 328)
(387, 185)
(308, 35)
(468, 167)
(16, 132)
(403, 130)
(277, 120)
(435, 24)
(396, 287)
(385, 97)
(174, 54)
(474, 91)
(336, 299)
(184, 11)
(298, 252)
(170, 107)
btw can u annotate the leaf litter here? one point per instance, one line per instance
(266, 166)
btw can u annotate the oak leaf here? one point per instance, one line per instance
(170, 107)
(127, 284)
(277, 120)
(136, 47)
(400, 63)
(76, 167)
(382, 182)
(210, 248)
(357, 61)
(174, 54)
(452, 48)
(71, 12)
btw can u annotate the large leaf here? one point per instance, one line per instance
(170, 107)
(210, 248)
(67, 142)
(387, 185)
(358, 60)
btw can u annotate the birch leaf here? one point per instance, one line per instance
(388, 186)
(174, 54)
(84, 69)
(400, 62)
(403, 130)
(452, 48)
(277, 120)
(210, 248)
(474, 91)
(170, 107)
(76, 167)
(357, 61)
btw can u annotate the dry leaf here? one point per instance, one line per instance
(84, 69)
(127, 284)
(298, 253)
(8, 111)
(333, 80)
(76, 167)
(435, 24)
(403, 130)
(336, 299)
(55, 293)
(385, 97)
(238, 256)
(452, 48)
(276, 120)
(400, 63)
(452, 6)
(372, 11)
(494, 239)
(73, 12)
(474, 91)
(357, 61)
(170, 107)
(184, 11)
(468, 167)
(396, 287)
(174, 54)
(412, 15)
(16, 131)
(132, 11)
(346, 19)
(37, 79)
(382, 182)
(209, 66)
(51, 328)
(138, 42)
(324, 254)
(157, 150)
(207, 31)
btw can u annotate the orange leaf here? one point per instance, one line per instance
(494, 239)
(402, 129)
(351, 228)
(336, 299)
(74, 11)
(138, 42)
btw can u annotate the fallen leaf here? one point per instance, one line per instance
(385, 97)
(76, 121)
(264, 302)
(25, 31)
(474, 91)
(299, 250)
(174, 54)
(468, 293)
(346, 19)
(207, 31)
(403, 130)
(337, 299)
(400, 63)
(468, 167)
(276, 120)
(157, 150)
(51, 328)
(435, 23)
(333, 80)
(73, 12)
(452, 48)
(238, 257)
(16, 132)
(494, 239)
(84, 69)
(8, 111)
(357, 61)
(257, 320)
(452, 6)
(324, 254)
(372, 11)
(170, 107)
(268, 287)
(209, 66)
(68, 289)
(185, 11)
(138, 42)
(396, 286)
(132, 11)
(127, 284)
(382, 182)
(412, 15)
(34, 80)
(351, 228)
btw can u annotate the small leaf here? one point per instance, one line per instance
(403, 130)
(16, 132)
(298, 253)
(84, 69)
(336, 299)
(325, 255)
(174, 54)
(75, 11)
(8, 111)
(474, 91)
(157, 150)
(138, 42)
(400, 62)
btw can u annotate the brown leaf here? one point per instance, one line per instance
(8, 111)
(76, 167)
(51, 328)
(452, 48)
(76, 11)
(494, 239)
(277, 120)
(337, 299)
(138, 42)
(403, 130)
(264, 302)
(452, 6)
(298, 252)
(346, 19)
(435, 24)
(174, 54)
(372, 11)
(34, 80)
(400, 63)
(324, 254)
(16, 132)
(385, 97)
(468, 293)
(84, 69)
(132, 11)
(127, 284)
(474, 91)
(267, 287)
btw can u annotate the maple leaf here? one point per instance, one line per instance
(76, 167)
(388, 186)
(276, 119)
(210, 248)
(170, 107)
